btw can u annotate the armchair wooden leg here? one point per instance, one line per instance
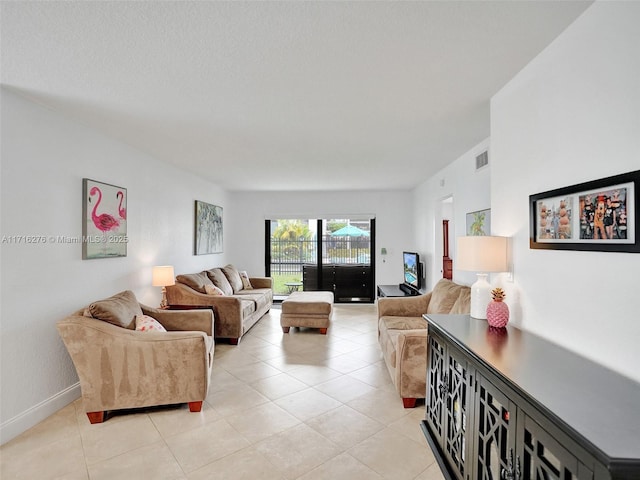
(195, 406)
(95, 417)
(234, 341)
(323, 331)
(285, 329)
(409, 402)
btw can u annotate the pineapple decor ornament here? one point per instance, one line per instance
(497, 310)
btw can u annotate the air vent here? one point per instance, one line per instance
(482, 160)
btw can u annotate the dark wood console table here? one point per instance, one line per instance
(348, 282)
(394, 291)
(507, 404)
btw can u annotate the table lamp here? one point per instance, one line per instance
(163, 276)
(481, 254)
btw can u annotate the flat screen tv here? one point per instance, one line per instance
(412, 277)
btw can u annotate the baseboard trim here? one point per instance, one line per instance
(34, 415)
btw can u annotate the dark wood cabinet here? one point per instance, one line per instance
(349, 283)
(506, 404)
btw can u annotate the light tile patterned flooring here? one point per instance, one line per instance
(281, 406)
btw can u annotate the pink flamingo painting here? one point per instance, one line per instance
(121, 211)
(103, 222)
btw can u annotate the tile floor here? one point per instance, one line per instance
(281, 406)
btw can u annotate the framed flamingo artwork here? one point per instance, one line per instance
(104, 220)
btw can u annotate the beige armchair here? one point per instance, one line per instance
(402, 334)
(120, 367)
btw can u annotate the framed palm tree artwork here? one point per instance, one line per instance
(479, 223)
(208, 229)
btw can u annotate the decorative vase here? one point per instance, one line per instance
(497, 310)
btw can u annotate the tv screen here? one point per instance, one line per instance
(411, 270)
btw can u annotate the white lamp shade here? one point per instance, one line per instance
(482, 254)
(163, 276)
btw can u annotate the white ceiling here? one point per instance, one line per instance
(281, 95)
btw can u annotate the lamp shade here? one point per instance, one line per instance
(482, 254)
(163, 276)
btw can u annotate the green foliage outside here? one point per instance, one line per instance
(292, 230)
(279, 287)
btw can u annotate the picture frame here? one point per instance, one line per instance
(479, 223)
(104, 220)
(600, 215)
(208, 229)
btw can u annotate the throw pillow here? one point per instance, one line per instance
(213, 290)
(197, 281)
(145, 323)
(119, 310)
(234, 277)
(245, 280)
(220, 280)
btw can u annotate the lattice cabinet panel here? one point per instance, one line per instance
(456, 413)
(543, 458)
(495, 434)
(436, 382)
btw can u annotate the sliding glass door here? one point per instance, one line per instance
(322, 254)
(291, 243)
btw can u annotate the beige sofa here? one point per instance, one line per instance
(120, 367)
(402, 334)
(236, 309)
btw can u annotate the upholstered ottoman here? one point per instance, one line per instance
(307, 309)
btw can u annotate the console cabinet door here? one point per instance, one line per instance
(457, 412)
(543, 458)
(435, 387)
(510, 445)
(448, 400)
(495, 434)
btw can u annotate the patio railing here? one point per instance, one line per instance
(288, 256)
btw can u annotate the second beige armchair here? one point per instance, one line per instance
(120, 367)
(402, 334)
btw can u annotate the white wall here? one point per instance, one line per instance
(572, 115)
(44, 158)
(470, 189)
(393, 212)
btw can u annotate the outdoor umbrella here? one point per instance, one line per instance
(350, 231)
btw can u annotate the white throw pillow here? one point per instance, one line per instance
(213, 290)
(145, 323)
(246, 284)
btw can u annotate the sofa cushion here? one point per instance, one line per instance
(213, 290)
(260, 299)
(246, 283)
(219, 279)
(197, 281)
(233, 276)
(119, 310)
(444, 296)
(145, 323)
(463, 303)
(247, 307)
